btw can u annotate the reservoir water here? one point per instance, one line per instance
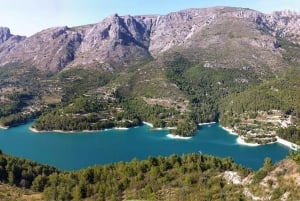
(79, 150)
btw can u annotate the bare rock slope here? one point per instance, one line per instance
(217, 37)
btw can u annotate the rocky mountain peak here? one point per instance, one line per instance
(285, 24)
(51, 49)
(121, 40)
(4, 34)
(115, 39)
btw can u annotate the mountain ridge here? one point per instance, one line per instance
(119, 41)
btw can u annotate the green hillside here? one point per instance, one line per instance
(155, 178)
(265, 105)
(186, 177)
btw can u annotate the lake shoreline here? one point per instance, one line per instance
(287, 143)
(207, 123)
(178, 137)
(4, 127)
(229, 130)
(92, 131)
(171, 136)
(148, 124)
(123, 145)
(74, 132)
(239, 139)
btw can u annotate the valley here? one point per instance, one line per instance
(190, 76)
(234, 66)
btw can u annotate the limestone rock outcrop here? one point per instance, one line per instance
(119, 41)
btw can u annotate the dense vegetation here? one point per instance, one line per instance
(78, 99)
(184, 177)
(278, 94)
(92, 104)
(205, 87)
(76, 82)
(291, 54)
(96, 98)
(187, 177)
(17, 119)
(20, 88)
(281, 93)
(21, 172)
(291, 133)
(11, 111)
(85, 113)
(158, 115)
(89, 113)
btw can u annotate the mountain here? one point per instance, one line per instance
(217, 37)
(233, 65)
(171, 70)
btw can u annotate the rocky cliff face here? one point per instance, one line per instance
(4, 34)
(7, 43)
(122, 40)
(285, 24)
(116, 40)
(51, 49)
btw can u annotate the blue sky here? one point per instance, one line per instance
(25, 17)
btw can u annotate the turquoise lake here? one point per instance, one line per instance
(80, 150)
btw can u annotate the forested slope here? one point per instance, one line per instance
(155, 178)
(187, 177)
(272, 105)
